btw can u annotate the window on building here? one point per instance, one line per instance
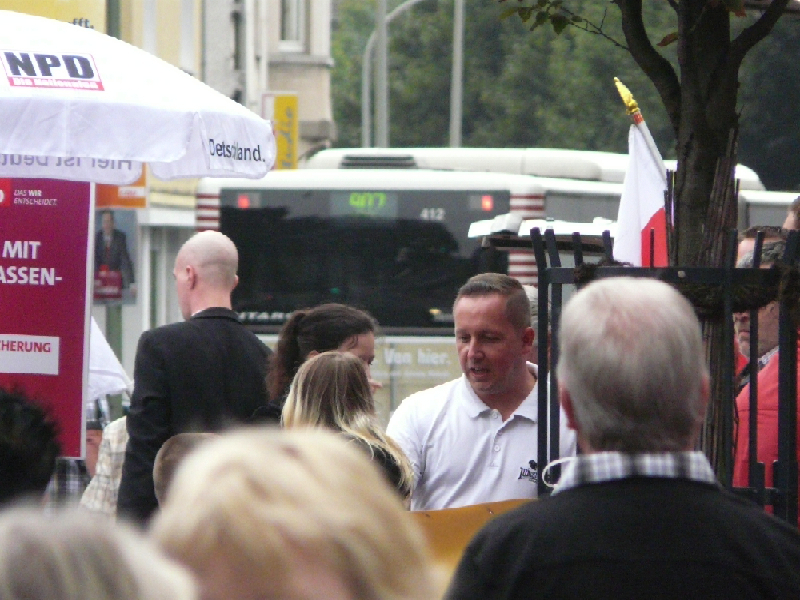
(293, 25)
(238, 40)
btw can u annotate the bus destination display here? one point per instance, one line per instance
(377, 205)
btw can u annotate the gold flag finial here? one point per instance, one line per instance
(627, 98)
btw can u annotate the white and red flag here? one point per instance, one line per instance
(641, 208)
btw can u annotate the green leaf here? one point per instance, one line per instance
(559, 23)
(668, 39)
(541, 18)
(577, 19)
(508, 13)
(525, 14)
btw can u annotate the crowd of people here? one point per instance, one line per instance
(240, 472)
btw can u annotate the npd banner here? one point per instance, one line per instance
(44, 307)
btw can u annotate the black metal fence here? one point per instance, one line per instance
(716, 294)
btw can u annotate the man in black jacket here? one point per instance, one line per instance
(202, 374)
(639, 514)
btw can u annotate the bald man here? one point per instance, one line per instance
(202, 374)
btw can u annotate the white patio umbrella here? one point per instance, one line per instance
(106, 375)
(80, 105)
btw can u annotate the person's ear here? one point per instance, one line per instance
(191, 275)
(528, 337)
(566, 404)
(705, 394)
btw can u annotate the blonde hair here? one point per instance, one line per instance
(72, 554)
(260, 498)
(332, 390)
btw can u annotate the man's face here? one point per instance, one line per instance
(108, 223)
(767, 329)
(490, 350)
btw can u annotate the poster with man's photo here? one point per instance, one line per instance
(115, 251)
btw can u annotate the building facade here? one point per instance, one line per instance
(256, 47)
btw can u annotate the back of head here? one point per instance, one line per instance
(771, 253)
(270, 508)
(319, 329)
(632, 361)
(771, 232)
(169, 456)
(330, 390)
(215, 258)
(73, 555)
(518, 309)
(28, 447)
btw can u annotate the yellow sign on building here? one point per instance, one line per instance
(281, 109)
(86, 13)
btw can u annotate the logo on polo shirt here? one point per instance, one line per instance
(531, 473)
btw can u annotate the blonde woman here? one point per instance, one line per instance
(296, 515)
(332, 390)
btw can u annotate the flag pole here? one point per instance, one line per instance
(632, 108)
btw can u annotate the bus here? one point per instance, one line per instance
(587, 165)
(757, 206)
(394, 242)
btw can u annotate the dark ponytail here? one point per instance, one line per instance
(286, 359)
(322, 328)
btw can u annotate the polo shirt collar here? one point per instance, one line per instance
(529, 408)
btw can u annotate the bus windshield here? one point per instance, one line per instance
(400, 254)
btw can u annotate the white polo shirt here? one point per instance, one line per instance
(464, 453)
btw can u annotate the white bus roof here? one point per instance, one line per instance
(765, 197)
(403, 179)
(590, 165)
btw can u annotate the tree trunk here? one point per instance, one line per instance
(709, 86)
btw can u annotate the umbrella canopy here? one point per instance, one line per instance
(81, 105)
(106, 375)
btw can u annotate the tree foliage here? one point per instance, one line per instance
(519, 89)
(547, 90)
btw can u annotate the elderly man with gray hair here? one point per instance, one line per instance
(639, 514)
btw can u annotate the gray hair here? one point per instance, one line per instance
(632, 362)
(73, 554)
(771, 253)
(533, 298)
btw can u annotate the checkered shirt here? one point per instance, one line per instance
(602, 467)
(69, 480)
(101, 493)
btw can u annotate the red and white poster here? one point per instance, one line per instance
(44, 300)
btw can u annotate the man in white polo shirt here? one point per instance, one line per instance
(475, 439)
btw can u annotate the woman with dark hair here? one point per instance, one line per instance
(331, 390)
(308, 332)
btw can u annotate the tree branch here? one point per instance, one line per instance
(757, 31)
(590, 27)
(657, 68)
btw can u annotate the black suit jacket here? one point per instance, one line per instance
(632, 539)
(199, 375)
(115, 257)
